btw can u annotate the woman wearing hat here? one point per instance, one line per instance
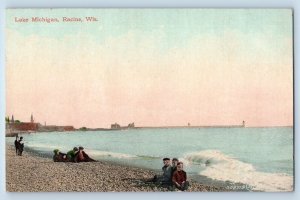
(81, 156)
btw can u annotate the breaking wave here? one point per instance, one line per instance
(42, 146)
(220, 166)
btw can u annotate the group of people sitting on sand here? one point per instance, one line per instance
(74, 155)
(173, 175)
(19, 145)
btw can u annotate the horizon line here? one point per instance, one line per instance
(174, 126)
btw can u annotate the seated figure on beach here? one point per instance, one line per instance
(17, 144)
(81, 156)
(179, 178)
(59, 157)
(165, 178)
(71, 154)
(174, 165)
(20, 145)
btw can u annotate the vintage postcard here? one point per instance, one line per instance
(151, 100)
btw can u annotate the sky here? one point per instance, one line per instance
(154, 67)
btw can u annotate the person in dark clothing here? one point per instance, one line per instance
(179, 178)
(17, 144)
(81, 156)
(59, 157)
(71, 154)
(174, 165)
(165, 179)
(20, 146)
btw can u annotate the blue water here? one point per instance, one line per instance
(259, 157)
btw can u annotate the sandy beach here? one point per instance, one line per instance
(32, 173)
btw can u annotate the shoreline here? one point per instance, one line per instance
(33, 173)
(239, 187)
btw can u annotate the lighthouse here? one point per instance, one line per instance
(31, 118)
(244, 124)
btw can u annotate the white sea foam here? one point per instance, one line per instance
(225, 168)
(97, 153)
(43, 146)
(91, 152)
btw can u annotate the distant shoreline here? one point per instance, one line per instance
(13, 134)
(183, 127)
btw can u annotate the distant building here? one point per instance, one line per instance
(51, 128)
(32, 126)
(131, 125)
(115, 126)
(22, 126)
(244, 123)
(25, 126)
(68, 128)
(31, 119)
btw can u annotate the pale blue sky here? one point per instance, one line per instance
(192, 22)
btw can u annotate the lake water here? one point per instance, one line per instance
(260, 158)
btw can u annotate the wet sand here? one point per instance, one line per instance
(31, 173)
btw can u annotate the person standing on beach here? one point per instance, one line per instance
(179, 178)
(17, 144)
(20, 146)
